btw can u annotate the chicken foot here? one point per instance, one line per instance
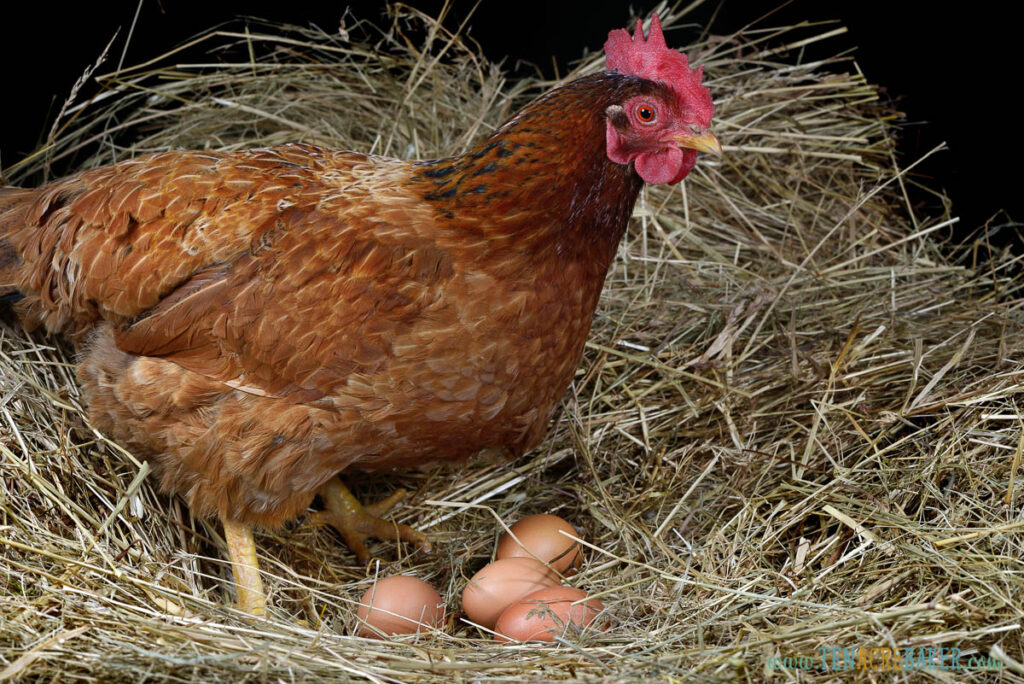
(356, 523)
(248, 584)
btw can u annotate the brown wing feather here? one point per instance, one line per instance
(295, 319)
(259, 269)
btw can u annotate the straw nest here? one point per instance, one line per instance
(795, 427)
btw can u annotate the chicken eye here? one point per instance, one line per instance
(645, 113)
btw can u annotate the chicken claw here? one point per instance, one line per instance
(356, 522)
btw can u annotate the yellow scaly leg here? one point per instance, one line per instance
(250, 597)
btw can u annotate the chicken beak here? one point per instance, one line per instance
(702, 142)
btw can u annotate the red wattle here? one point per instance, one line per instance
(667, 166)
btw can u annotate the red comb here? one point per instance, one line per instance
(652, 59)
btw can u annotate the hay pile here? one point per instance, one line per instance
(795, 429)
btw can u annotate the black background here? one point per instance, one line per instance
(954, 75)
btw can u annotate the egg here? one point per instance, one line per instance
(502, 583)
(545, 614)
(399, 605)
(539, 536)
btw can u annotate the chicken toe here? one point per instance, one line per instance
(356, 523)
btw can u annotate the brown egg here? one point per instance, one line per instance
(545, 614)
(539, 535)
(502, 583)
(399, 605)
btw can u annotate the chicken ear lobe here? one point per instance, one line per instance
(617, 115)
(617, 145)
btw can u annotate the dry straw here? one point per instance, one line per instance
(795, 428)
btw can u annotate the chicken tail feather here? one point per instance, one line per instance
(13, 202)
(22, 227)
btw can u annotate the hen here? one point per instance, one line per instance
(255, 323)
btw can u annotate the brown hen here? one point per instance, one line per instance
(254, 323)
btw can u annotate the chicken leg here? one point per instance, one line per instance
(356, 522)
(248, 584)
